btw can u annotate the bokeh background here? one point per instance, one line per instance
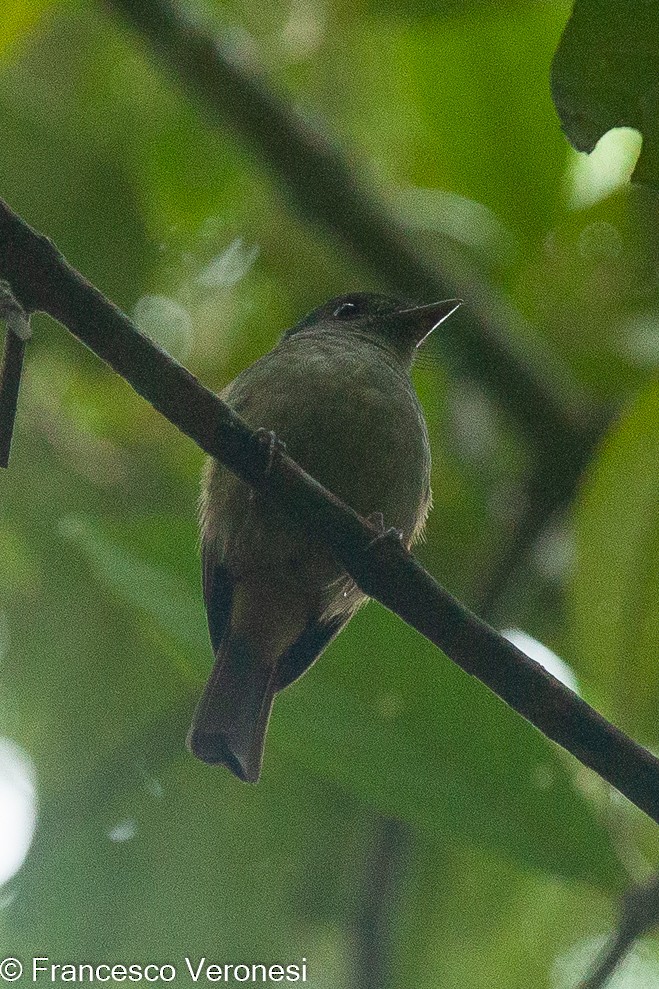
(409, 830)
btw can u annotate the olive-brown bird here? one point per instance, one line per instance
(336, 390)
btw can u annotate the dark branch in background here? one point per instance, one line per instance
(389, 849)
(638, 916)
(10, 379)
(18, 332)
(322, 183)
(479, 343)
(41, 279)
(482, 342)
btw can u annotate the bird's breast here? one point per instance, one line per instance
(351, 419)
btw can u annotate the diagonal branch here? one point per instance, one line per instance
(41, 279)
(481, 339)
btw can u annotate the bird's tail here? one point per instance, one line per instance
(231, 719)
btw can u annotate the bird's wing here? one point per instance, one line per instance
(306, 649)
(218, 592)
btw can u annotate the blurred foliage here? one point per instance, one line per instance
(615, 592)
(605, 75)
(515, 855)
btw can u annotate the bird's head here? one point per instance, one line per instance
(400, 327)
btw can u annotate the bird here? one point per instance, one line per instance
(336, 391)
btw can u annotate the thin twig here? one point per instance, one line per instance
(41, 279)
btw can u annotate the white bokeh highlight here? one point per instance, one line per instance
(227, 268)
(542, 655)
(167, 322)
(18, 808)
(639, 970)
(123, 831)
(592, 177)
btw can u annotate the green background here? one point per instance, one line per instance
(407, 822)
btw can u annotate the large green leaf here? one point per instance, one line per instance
(388, 718)
(615, 591)
(606, 74)
(464, 75)
(466, 913)
(190, 863)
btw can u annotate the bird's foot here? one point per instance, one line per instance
(384, 535)
(386, 546)
(269, 446)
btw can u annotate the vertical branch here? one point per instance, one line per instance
(10, 380)
(18, 333)
(373, 935)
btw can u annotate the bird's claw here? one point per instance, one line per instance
(384, 535)
(269, 446)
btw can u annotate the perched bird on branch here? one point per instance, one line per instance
(336, 390)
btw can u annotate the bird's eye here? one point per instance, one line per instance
(347, 310)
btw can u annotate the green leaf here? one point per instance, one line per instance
(493, 918)
(386, 717)
(615, 592)
(606, 74)
(464, 75)
(197, 865)
(152, 590)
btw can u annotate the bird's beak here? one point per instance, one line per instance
(422, 320)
